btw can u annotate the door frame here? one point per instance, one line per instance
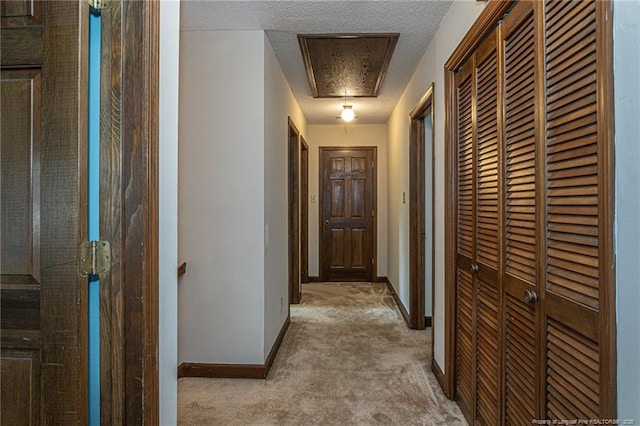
(293, 149)
(129, 194)
(374, 243)
(417, 205)
(304, 211)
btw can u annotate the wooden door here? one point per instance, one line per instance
(304, 211)
(421, 137)
(486, 247)
(478, 256)
(465, 227)
(43, 186)
(293, 137)
(578, 321)
(521, 212)
(348, 214)
(533, 270)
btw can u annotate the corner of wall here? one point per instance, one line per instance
(221, 218)
(279, 104)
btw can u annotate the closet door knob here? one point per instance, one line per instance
(530, 296)
(474, 269)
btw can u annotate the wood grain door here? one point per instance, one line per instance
(533, 228)
(478, 256)
(487, 217)
(304, 211)
(521, 211)
(578, 321)
(43, 186)
(348, 214)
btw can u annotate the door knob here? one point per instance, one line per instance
(326, 221)
(474, 269)
(530, 296)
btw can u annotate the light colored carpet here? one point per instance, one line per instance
(347, 359)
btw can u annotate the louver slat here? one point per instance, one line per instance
(572, 153)
(487, 167)
(465, 169)
(464, 337)
(573, 374)
(487, 354)
(520, 146)
(520, 355)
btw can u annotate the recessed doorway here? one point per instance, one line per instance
(421, 193)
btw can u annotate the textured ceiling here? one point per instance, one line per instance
(416, 21)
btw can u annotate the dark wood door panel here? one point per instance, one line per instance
(347, 220)
(20, 170)
(43, 175)
(20, 387)
(337, 199)
(464, 340)
(520, 362)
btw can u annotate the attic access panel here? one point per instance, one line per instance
(353, 62)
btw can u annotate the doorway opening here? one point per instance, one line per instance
(421, 214)
(304, 211)
(294, 212)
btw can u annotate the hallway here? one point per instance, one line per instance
(348, 358)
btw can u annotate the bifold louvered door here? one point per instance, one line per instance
(576, 299)
(520, 281)
(535, 320)
(487, 291)
(465, 286)
(478, 256)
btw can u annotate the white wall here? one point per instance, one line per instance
(454, 26)
(356, 135)
(221, 197)
(626, 18)
(279, 104)
(168, 211)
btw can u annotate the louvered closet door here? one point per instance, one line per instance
(486, 242)
(575, 242)
(520, 237)
(465, 287)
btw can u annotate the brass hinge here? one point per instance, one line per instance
(95, 258)
(98, 4)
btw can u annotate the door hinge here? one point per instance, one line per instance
(95, 258)
(373, 213)
(98, 4)
(373, 165)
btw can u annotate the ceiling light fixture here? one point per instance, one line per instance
(347, 113)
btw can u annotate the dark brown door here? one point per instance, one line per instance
(521, 210)
(294, 212)
(43, 150)
(348, 214)
(304, 211)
